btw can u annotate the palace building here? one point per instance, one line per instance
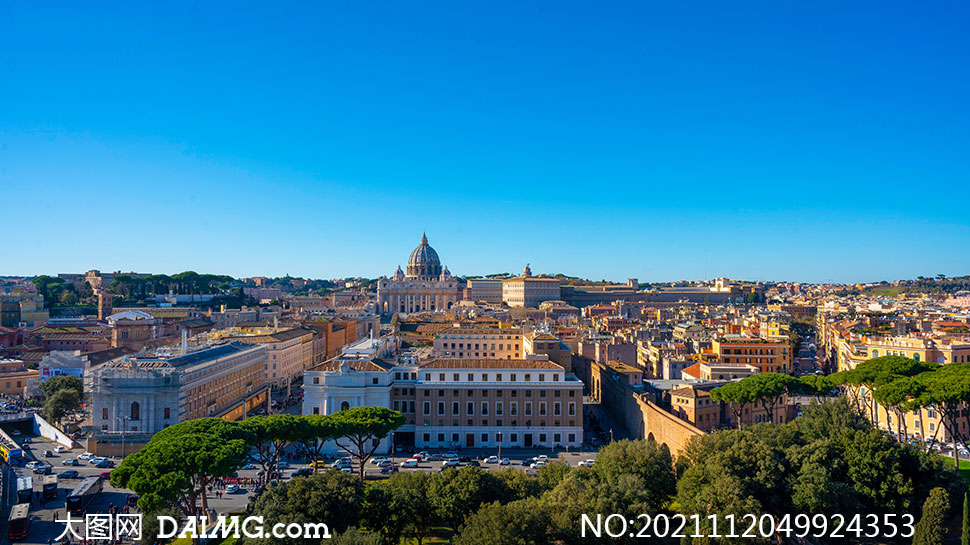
(426, 287)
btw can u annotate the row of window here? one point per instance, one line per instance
(135, 412)
(499, 407)
(483, 346)
(499, 377)
(500, 393)
(513, 438)
(491, 337)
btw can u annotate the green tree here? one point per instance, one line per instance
(269, 435)
(815, 386)
(930, 529)
(456, 494)
(180, 461)
(421, 515)
(522, 522)
(362, 429)
(736, 396)
(965, 534)
(332, 497)
(386, 510)
(61, 404)
(68, 298)
(948, 388)
(312, 431)
(62, 382)
(355, 536)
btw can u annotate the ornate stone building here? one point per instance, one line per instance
(426, 286)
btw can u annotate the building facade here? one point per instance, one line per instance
(425, 287)
(528, 291)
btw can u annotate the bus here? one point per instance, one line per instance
(50, 487)
(25, 489)
(81, 496)
(17, 524)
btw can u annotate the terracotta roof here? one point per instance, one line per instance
(449, 363)
(544, 337)
(694, 371)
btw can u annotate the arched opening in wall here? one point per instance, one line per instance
(135, 411)
(344, 406)
(651, 438)
(449, 305)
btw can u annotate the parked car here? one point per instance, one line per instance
(410, 462)
(59, 449)
(232, 489)
(474, 463)
(106, 475)
(47, 453)
(527, 462)
(378, 460)
(538, 464)
(104, 464)
(586, 463)
(450, 463)
(98, 459)
(490, 460)
(542, 458)
(85, 456)
(504, 462)
(435, 458)
(282, 465)
(318, 463)
(385, 463)
(15, 432)
(69, 474)
(450, 455)
(26, 440)
(342, 463)
(71, 462)
(43, 470)
(388, 469)
(33, 463)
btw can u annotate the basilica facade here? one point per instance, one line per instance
(425, 287)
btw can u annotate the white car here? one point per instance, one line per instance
(586, 463)
(537, 464)
(97, 460)
(410, 462)
(85, 456)
(542, 458)
(490, 460)
(450, 455)
(504, 462)
(378, 461)
(33, 464)
(59, 449)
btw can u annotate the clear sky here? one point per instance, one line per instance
(811, 141)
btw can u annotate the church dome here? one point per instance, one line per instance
(424, 262)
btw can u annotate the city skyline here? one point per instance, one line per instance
(657, 142)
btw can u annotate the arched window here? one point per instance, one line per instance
(875, 353)
(344, 406)
(135, 411)
(916, 357)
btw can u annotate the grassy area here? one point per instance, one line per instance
(965, 469)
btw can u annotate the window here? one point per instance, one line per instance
(316, 410)
(410, 406)
(542, 393)
(454, 377)
(572, 437)
(498, 377)
(471, 408)
(441, 438)
(455, 408)
(498, 408)
(484, 408)
(542, 408)
(512, 377)
(374, 380)
(344, 406)
(528, 377)
(427, 408)
(514, 437)
(484, 438)
(427, 438)
(555, 409)
(471, 377)
(441, 407)
(542, 377)
(528, 408)
(514, 408)
(135, 411)
(441, 377)
(454, 438)
(397, 404)
(104, 413)
(427, 376)
(168, 412)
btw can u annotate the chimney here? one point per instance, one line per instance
(276, 323)
(185, 341)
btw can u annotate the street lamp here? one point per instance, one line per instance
(124, 427)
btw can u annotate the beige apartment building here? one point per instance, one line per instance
(478, 343)
(528, 291)
(514, 403)
(919, 348)
(289, 351)
(770, 356)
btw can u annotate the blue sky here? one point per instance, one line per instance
(821, 141)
